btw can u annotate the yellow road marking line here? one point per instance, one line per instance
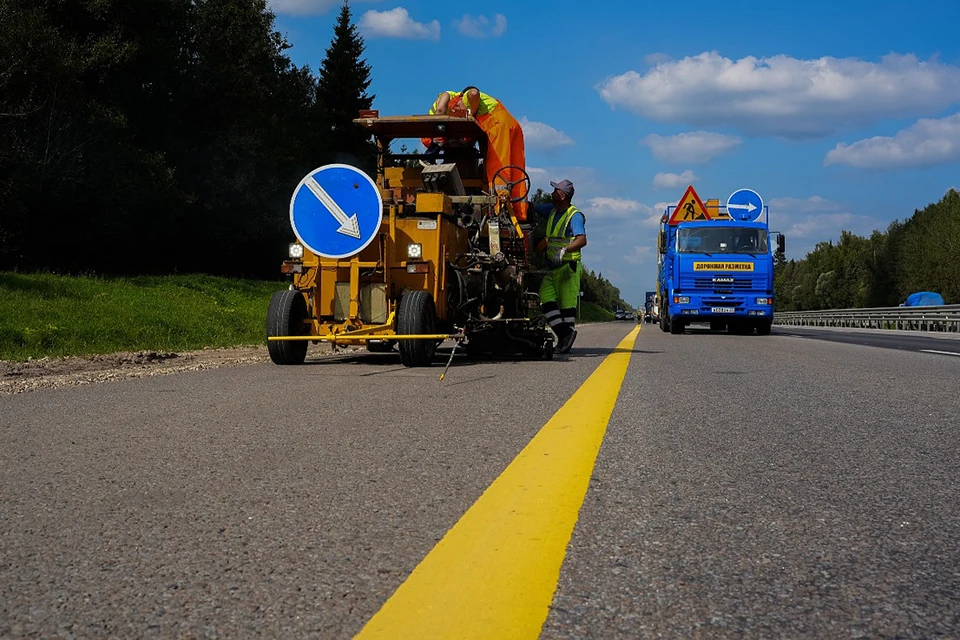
(494, 573)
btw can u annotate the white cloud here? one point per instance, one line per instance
(694, 146)
(397, 23)
(808, 221)
(537, 135)
(813, 204)
(607, 207)
(302, 7)
(481, 26)
(641, 255)
(923, 144)
(784, 96)
(672, 180)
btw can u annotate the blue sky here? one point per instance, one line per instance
(842, 115)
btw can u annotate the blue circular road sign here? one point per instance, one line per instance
(336, 211)
(745, 205)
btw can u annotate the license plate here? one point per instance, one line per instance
(722, 309)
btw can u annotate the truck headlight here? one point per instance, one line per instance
(764, 301)
(414, 250)
(681, 299)
(295, 250)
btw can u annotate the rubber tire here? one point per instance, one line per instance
(663, 324)
(676, 326)
(285, 317)
(417, 315)
(763, 327)
(547, 351)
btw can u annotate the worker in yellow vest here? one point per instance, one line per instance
(504, 135)
(565, 234)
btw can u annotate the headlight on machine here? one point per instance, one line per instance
(414, 250)
(764, 300)
(681, 299)
(295, 250)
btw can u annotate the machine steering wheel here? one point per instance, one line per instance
(500, 182)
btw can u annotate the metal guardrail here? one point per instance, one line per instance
(940, 318)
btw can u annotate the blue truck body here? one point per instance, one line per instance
(717, 271)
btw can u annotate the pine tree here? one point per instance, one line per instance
(341, 93)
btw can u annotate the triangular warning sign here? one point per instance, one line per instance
(689, 208)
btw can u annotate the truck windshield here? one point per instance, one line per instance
(722, 240)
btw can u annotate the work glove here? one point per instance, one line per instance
(555, 256)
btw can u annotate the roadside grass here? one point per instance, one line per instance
(47, 315)
(592, 312)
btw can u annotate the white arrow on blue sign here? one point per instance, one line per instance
(745, 205)
(336, 211)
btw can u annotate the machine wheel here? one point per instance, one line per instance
(676, 326)
(417, 315)
(547, 351)
(763, 327)
(285, 317)
(663, 324)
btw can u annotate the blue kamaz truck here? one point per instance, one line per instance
(716, 265)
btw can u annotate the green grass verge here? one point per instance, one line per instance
(592, 312)
(45, 315)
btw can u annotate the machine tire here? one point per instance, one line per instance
(547, 351)
(763, 327)
(285, 317)
(676, 326)
(417, 315)
(664, 326)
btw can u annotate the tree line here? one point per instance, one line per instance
(163, 136)
(921, 253)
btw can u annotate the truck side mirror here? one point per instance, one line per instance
(781, 243)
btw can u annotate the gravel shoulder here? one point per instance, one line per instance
(50, 373)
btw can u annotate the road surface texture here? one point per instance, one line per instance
(746, 486)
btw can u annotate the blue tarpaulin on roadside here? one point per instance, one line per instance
(923, 299)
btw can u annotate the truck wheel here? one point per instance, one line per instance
(663, 324)
(676, 326)
(417, 315)
(763, 327)
(285, 317)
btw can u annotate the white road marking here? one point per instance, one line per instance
(942, 353)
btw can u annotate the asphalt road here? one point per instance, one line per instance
(772, 486)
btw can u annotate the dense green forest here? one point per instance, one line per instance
(919, 254)
(163, 136)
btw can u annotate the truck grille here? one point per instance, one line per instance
(723, 283)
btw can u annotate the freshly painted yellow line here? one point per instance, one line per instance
(494, 573)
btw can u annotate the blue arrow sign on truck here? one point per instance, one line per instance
(336, 211)
(745, 205)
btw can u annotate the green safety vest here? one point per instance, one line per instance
(557, 226)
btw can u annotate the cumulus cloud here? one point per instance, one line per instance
(537, 135)
(923, 144)
(301, 7)
(808, 221)
(397, 23)
(694, 146)
(481, 26)
(607, 207)
(672, 180)
(784, 96)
